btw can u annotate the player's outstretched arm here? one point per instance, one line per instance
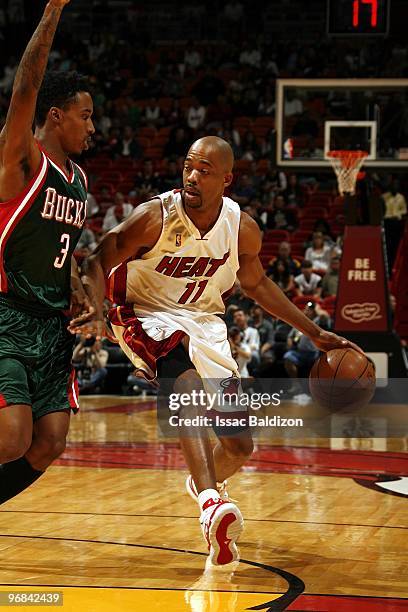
(267, 294)
(80, 304)
(17, 145)
(140, 231)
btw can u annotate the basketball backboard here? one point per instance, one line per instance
(314, 116)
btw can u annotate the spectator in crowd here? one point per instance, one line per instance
(284, 255)
(233, 12)
(252, 210)
(231, 135)
(90, 361)
(117, 213)
(293, 104)
(267, 105)
(177, 144)
(250, 336)
(395, 203)
(307, 282)
(192, 58)
(266, 332)
(208, 88)
(87, 242)
(152, 114)
(274, 180)
(217, 113)
(319, 253)
(240, 350)
(301, 353)
(92, 207)
(128, 145)
(173, 115)
(395, 212)
(330, 280)
(279, 272)
(322, 225)
(102, 121)
(243, 191)
(250, 149)
(236, 301)
(147, 181)
(280, 217)
(195, 115)
(250, 56)
(293, 193)
(171, 178)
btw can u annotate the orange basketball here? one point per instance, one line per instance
(342, 380)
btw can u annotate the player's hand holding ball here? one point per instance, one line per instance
(342, 380)
(327, 341)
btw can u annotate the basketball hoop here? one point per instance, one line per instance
(346, 165)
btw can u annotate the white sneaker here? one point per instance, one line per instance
(222, 524)
(192, 490)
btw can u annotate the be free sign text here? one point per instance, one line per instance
(362, 271)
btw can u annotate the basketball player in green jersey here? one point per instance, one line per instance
(42, 210)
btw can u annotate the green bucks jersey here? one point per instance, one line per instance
(39, 230)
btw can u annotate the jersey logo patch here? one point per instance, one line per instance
(178, 240)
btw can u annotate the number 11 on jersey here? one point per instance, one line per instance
(190, 289)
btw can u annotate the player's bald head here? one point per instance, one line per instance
(214, 148)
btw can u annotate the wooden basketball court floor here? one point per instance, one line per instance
(110, 525)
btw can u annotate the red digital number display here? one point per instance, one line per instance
(356, 12)
(358, 17)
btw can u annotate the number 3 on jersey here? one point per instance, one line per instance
(59, 261)
(190, 290)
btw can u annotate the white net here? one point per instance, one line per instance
(346, 165)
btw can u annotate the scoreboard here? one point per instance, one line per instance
(358, 17)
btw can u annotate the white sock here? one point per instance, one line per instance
(206, 495)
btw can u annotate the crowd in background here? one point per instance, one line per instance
(153, 100)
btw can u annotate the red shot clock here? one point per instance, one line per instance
(358, 17)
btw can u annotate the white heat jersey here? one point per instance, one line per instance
(183, 272)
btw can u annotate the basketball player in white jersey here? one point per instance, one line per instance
(172, 261)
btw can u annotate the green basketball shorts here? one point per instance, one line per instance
(35, 362)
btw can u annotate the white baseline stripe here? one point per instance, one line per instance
(24, 202)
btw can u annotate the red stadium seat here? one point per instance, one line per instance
(147, 132)
(300, 236)
(111, 176)
(101, 184)
(301, 300)
(154, 152)
(270, 248)
(275, 236)
(315, 212)
(297, 249)
(307, 224)
(329, 304)
(126, 186)
(242, 165)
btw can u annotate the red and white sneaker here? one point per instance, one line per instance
(222, 524)
(192, 490)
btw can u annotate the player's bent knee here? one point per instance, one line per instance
(187, 382)
(238, 447)
(49, 447)
(14, 449)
